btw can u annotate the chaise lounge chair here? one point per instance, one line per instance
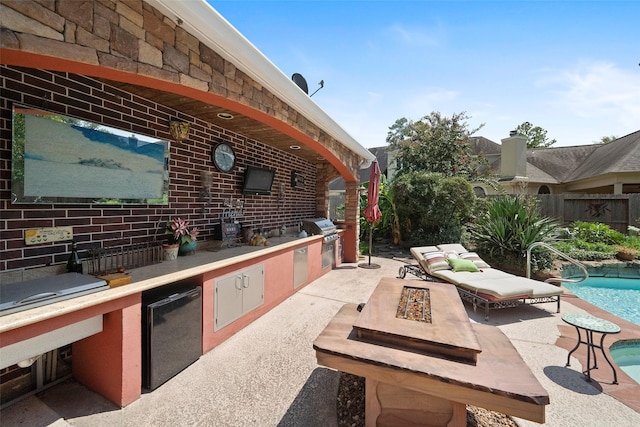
(476, 281)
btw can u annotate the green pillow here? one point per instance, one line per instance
(462, 265)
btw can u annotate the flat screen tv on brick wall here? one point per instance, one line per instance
(258, 180)
(60, 159)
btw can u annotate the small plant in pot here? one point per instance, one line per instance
(181, 236)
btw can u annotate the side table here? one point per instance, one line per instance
(591, 324)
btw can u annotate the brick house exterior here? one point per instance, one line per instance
(135, 65)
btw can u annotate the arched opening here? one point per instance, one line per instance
(544, 190)
(480, 192)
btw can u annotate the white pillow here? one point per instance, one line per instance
(452, 247)
(472, 256)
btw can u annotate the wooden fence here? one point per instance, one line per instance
(616, 210)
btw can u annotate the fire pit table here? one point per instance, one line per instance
(424, 361)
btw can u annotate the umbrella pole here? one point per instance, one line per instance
(369, 265)
(370, 240)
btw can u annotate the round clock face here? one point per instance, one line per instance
(223, 157)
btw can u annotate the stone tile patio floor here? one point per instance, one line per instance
(267, 375)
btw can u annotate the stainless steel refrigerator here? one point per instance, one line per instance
(171, 333)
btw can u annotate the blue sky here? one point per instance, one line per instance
(570, 67)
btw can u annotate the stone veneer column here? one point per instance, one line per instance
(322, 190)
(352, 222)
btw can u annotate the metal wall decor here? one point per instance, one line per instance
(178, 130)
(297, 180)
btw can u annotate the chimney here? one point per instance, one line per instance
(513, 162)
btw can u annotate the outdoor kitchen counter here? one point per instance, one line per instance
(105, 327)
(156, 275)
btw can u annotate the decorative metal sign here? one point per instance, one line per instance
(297, 180)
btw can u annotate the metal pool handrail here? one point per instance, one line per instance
(577, 263)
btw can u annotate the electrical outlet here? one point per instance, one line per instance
(37, 236)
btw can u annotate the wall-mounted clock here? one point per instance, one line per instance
(223, 157)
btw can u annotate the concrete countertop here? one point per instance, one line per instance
(153, 276)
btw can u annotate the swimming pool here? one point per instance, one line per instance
(626, 354)
(618, 296)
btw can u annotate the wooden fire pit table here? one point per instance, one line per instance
(424, 361)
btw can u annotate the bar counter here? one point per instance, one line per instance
(153, 276)
(116, 313)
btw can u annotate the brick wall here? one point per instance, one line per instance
(134, 37)
(110, 225)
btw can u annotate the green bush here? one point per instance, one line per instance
(510, 225)
(586, 251)
(446, 233)
(596, 232)
(431, 208)
(632, 242)
(541, 259)
(594, 241)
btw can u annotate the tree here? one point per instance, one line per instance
(436, 144)
(607, 139)
(536, 136)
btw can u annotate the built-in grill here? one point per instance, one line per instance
(326, 228)
(321, 226)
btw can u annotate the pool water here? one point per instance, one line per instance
(626, 354)
(620, 297)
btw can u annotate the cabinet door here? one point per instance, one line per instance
(300, 267)
(228, 304)
(253, 285)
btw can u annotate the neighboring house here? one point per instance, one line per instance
(612, 168)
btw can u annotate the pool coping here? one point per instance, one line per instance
(627, 391)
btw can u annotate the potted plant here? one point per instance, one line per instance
(181, 238)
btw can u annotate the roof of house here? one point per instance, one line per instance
(383, 163)
(558, 162)
(568, 164)
(620, 155)
(480, 144)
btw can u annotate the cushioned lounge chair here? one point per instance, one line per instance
(476, 281)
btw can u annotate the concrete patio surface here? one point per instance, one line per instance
(267, 375)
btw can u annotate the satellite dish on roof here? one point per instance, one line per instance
(301, 82)
(321, 84)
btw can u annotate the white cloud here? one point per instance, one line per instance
(414, 37)
(597, 90)
(374, 96)
(433, 99)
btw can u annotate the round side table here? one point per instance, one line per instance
(591, 324)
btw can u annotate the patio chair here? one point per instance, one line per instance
(476, 281)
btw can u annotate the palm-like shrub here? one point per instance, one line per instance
(509, 226)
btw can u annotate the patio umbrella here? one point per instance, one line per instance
(372, 211)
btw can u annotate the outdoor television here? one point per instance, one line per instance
(62, 159)
(258, 181)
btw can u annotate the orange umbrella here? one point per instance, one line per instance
(372, 211)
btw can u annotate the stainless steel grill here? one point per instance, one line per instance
(321, 226)
(324, 227)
